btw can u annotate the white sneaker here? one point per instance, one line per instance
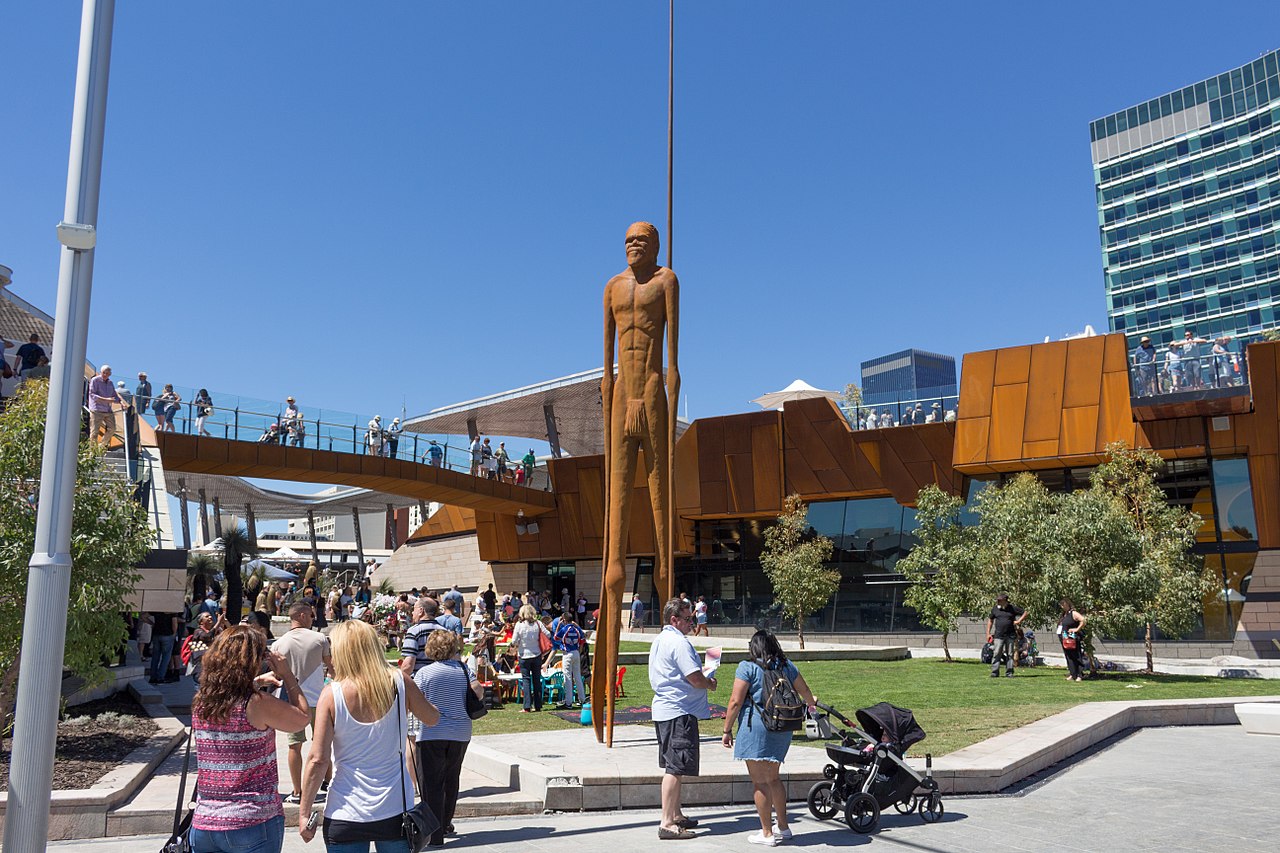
(781, 834)
(761, 838)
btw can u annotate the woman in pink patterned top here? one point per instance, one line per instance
(238, 804)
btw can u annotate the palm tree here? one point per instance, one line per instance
(236, 545)
(202, 571)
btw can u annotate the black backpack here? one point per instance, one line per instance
(781, 708)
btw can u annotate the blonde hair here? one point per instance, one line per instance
(528, 614)
(357, 657)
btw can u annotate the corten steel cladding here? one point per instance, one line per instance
(641, 305)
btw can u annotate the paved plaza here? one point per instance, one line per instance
(1170, 789)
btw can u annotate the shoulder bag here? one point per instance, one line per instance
(419, 822)
(475, 705)
(180, 841)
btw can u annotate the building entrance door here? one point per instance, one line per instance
(556, 579)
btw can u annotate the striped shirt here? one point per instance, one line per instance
(238, 781)
(415, 641)
(445, 683)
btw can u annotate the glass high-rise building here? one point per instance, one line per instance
(1188, 188)
(912, 374)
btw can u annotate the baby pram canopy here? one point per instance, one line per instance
(898, 723)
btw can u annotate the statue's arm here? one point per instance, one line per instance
(673, 349)
(606, 382)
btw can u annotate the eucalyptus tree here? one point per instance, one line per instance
(794, 559)
(109, 535)
(942, 566)
(1168, 585)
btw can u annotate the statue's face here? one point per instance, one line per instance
(641, 245)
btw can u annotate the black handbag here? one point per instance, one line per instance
(420, 822)
(180, 841)
(476, 707)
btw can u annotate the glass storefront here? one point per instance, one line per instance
(871, 535)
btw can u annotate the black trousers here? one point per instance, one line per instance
(439, 769)
(1074, 661)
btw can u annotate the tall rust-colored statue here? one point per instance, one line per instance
(641, 303)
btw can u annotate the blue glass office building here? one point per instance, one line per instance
(1188, 188)
(908, 375)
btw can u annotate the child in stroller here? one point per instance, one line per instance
(869, 773)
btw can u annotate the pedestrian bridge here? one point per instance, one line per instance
(225, 457)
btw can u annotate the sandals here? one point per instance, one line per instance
(665, 834)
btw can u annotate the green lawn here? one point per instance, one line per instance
(958, 704)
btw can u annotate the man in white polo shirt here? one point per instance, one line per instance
(308, 654)
(679, 701)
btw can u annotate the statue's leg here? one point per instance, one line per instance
(622, 472)
(660, 499)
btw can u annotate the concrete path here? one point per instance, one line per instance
(1175, 789)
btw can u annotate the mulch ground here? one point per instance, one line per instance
(88, 751)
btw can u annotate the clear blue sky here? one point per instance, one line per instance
(359, 202)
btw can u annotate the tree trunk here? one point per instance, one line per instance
(800, 630)
(1150, 657)
(8, 698)
(235, 586)
(946, 649)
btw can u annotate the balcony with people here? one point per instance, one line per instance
(1191, 376)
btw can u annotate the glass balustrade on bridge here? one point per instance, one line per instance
(238, 418)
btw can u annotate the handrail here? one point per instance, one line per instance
(932, 409)
(341, 432)
(1169, 371)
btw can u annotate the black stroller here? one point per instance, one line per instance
(869, 773)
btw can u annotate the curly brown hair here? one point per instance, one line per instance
(227, 672)
(442, 645)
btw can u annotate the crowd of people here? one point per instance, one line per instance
(383, 736)
(386, 735)
(496, 463)
(1185, 365)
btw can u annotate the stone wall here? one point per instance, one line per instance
(1259, 628)
(159, 591)
(439, 564)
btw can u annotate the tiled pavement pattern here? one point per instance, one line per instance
(1170, 789)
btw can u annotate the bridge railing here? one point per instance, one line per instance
(239, 418)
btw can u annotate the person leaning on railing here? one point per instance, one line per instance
(1144, 361)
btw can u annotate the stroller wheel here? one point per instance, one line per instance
(862, 812)
(822, 800)
(931, 809)
(906, 806)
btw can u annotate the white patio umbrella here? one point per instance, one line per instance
(798, 390)
(285, 553)
(214, 547)
(270, 572)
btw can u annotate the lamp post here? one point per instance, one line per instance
(26, 824)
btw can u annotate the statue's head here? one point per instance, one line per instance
(642, 244)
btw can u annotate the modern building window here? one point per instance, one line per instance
(1188, 209)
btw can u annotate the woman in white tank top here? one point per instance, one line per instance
(362, 716)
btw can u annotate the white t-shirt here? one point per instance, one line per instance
(672, 658)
